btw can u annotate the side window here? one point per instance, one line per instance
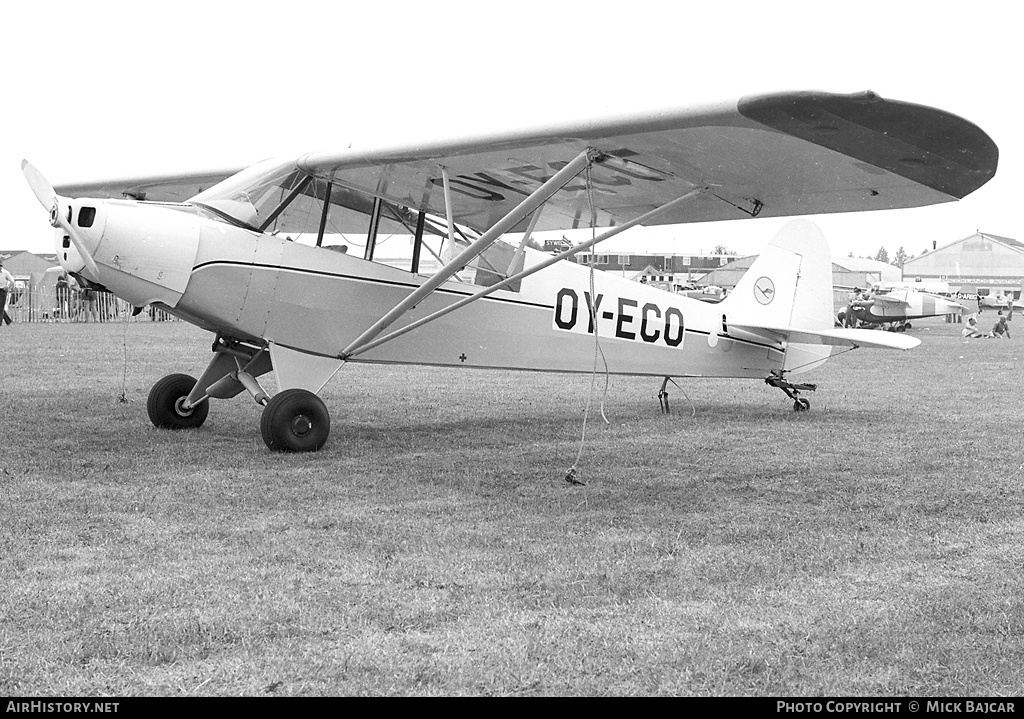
(86, 216)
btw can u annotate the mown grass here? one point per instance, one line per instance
(871, 546)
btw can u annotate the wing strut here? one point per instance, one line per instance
(541, 195)
(369, 345)
(449, 212)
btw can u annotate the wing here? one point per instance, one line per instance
(892, 299)
(177, 187)
(768, 156)
(832, 337)
(761, 156)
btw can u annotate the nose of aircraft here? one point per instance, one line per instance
(60, 211)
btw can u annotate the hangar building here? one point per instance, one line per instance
(980, 264)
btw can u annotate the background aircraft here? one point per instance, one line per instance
(894, 309)
(243, 253)
(1000, 302)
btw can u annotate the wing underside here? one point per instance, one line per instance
(763, 156)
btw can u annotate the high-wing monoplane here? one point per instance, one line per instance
(1000, 301)
(895, 308)
(243, 252)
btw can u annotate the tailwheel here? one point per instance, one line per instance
(792, 390)
(295, 420)
(166, 404)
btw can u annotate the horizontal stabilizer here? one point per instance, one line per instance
(833, 337)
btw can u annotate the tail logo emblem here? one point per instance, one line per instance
(764, 290)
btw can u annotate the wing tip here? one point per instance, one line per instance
(930, 146)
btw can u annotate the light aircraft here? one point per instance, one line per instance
(243, 252)
(711, 293)
(894, 309)
(1000, 301)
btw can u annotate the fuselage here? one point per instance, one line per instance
(259, 288)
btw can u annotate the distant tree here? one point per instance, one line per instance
(900, 258)
(722, 250)
(882, 255)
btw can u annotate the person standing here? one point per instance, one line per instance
(6, 287)
(851, 300)
(62, 297)
(89, 304)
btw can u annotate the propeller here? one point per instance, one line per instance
(49, 199)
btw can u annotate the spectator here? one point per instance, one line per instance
(1000, 329)
(6, 287)
(971, 330)
(852, 298)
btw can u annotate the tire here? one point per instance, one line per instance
(295, 420)
(164, 404)
(802, 404)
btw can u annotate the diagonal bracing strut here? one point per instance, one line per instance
(527, 272)
(541, 195)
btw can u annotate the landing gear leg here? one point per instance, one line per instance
(663, 396)
(800, 404)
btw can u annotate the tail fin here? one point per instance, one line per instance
(788, 286)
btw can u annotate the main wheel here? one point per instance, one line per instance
(802, 404)
(166, 401)
(295, 420)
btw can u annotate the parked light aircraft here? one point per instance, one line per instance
(216, 249)
(1000, 301)
(894, 309)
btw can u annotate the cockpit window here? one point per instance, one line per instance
(277, 198)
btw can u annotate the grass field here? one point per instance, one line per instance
(871, 546)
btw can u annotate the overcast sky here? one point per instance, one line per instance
(95, 90)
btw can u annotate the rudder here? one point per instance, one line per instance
(789, 285)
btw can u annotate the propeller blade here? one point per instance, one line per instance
(40, 186)
(47, 197)
(90, 263)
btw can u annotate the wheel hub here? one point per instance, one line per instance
(179, 407)
(301, 425)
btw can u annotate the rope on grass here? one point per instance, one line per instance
(123, 397)
(572, 474)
